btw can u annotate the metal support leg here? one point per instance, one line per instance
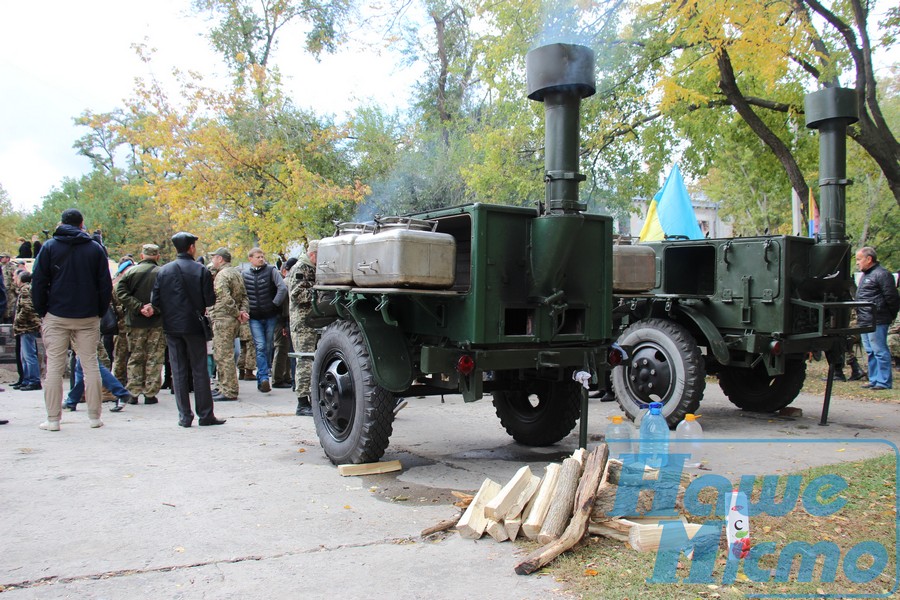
(823, 422)
(583, 422)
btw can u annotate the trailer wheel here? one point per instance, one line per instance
(665, 366)
(353, 415)
(756, 391)
(540, 413)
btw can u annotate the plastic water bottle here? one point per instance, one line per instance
(687, 435)
(618, 437)
(654, 440)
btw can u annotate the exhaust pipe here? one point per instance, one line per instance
(830, 111)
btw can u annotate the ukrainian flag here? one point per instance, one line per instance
(671, 212)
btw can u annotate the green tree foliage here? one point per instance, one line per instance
(9, 222)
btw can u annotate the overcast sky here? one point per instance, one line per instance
(61, 57)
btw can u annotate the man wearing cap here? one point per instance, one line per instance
(230, 310)
(182, 292)
(301, 279)
(146, 342)
(71, 289)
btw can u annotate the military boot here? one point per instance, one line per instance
(856, 373)
(304, 408)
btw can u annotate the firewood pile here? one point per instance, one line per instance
(557, 510)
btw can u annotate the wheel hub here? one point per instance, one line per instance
(337, 398)
(649, 374)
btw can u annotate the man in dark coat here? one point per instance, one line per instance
(182, 292)
(877, 286)
(71, 289)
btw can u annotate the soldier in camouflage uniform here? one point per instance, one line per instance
(247, 359)
(300, 280)
(146, 341)
(893, 340)
(9, 270)
(27, 324)
(120, 343)
(230, 310)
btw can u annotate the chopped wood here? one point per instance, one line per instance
(604, 505)
(496, 530)
(500, 506)
(531, 527)
(616, 529)
(646, 538)
(594, 469)
(473, 522)
(370, 468)
(464, 499)
(513, 526)
(442, 526)
(518, 507)
(580, 455)
(561, 507)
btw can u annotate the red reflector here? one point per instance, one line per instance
(775, 347)
(465, 364)
(614, 357)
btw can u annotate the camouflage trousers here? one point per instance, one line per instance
(893, 342)
(224, 333)
(304, 340)
(120, 357)
(247, 359)
(147, 352)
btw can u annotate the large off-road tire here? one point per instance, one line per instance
(353, 415)
(539, 413)
(665, 365)
(757, 391)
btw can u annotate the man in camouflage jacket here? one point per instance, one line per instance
(300, 281)
(146, 341)
(230, 310)
(27, 324)
(9, 270)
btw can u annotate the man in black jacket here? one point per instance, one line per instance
(71, 289)
(182, 292)
(877, 286)
(267, 292)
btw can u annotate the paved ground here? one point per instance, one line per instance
(253, 509)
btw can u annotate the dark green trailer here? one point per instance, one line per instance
(748, 310)
(522, 315)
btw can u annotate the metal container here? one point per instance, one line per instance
(634, 268)
(404, 252)
(334, 261)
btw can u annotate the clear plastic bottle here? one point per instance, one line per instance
(687, 435)
(654, 440)
(618, 437)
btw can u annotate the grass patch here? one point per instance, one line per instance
(604, 568)
(816, 370)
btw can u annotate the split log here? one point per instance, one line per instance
(496, 530)
(513, 526)
(594, 469)
(473, 522)
(518, 507)
(370, 468)
(500, 506)
(561, 507)
(441, 526)
(531, 527)
(646, 538)
(617, 529)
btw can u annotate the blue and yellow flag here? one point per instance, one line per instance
(671, 212)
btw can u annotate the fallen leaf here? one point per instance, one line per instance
(179, 549)
(301, 449)
(841, 450)
(347, 506)
(591, 572)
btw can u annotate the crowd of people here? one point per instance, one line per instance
(180, 325)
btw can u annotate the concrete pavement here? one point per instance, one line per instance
(254, 509)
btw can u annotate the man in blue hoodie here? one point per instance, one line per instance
(71, 288)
